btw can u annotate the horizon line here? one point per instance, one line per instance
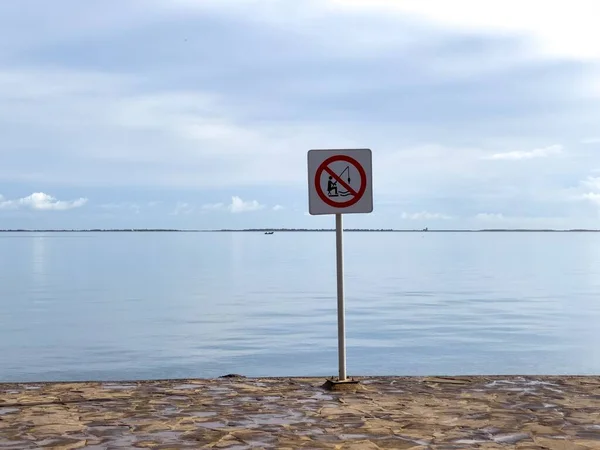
(397, 230)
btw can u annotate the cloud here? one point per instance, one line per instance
(182, 208)
(531, 154)
(240, 206)
(591, 183)
(587, 190)
(278, 208)
(575, 20)
(226, 133)
(40, 201)
(489, 216)
(329, 74)
(236, 206)
(593, 197)
(424, 215)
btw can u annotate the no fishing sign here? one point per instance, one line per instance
(340, 181)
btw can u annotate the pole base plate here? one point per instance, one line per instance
(340, 385)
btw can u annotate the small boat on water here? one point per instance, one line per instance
(269, 232)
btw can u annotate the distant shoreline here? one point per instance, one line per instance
(297, 230)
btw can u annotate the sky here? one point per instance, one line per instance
(198, 114)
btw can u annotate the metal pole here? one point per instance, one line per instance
(339, 252)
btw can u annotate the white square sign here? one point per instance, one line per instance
(340, 181)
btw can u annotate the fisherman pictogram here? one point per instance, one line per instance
(332, 185)
(332, 190)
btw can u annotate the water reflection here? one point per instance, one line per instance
(236, 250)
(160, 305)
(38, 258)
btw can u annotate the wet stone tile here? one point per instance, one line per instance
(391, 412)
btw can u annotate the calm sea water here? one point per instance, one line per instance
(113, 306)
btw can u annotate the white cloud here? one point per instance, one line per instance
(153, 126)
(278, 208)
(40, 201)
(424, 215)
(45, 202)
(8, 204)
(236, 206)
(587, 190)
(183, 122)
(240, 206)
(593, 197)
(489, 216)
(591, 183)
(563, 29)
(592, 187)
(182, 208)
(5, 204)
(530, 154)
(210, 142)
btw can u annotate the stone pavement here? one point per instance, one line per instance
(556, 413)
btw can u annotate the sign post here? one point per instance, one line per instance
(340, 182)
(339, 257)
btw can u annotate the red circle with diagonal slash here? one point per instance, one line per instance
(357, 195)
